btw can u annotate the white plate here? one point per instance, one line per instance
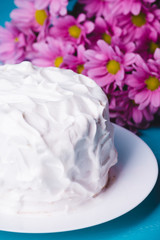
(132, 180)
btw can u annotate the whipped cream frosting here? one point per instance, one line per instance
(56, 140)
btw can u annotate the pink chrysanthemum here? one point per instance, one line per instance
(126, 113)
(129, 6)
(51, 52)
(118, 47)
(56, 7)
(107, 65)
(146, 46)
(97, 7)
(144, 83)
(76, 62)
(71, 29)
(107, 31)
(135, 26)
(111, 34)
(26, 17)
(12, 44)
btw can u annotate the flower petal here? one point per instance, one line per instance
(101, 81)
(137, 115)
(155, 99)
(136, 8)
(89, 26)
(99, 71)
(81, 18)
(42, 62)
(23, 4)
(106, 49)
(157, 53)
(41, 4)
(129, 58)
(141, 96)
(6, 47)
(120, 75)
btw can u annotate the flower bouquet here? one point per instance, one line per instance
(114, 42)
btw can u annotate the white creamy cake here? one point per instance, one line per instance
(56, 140)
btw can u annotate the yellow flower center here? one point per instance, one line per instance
(40, 16)
(153, 46)
(80, 68)
(16, 39)
(113, 67)
(139, 20)
(106, 37)
(74, 31)
(152, 83)
(58, 61)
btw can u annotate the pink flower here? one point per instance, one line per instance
(107, 65)
(144, 83)
(114, 42)
(12, 44)
(105, 30)
(146, 46)
(76, 62)
(28, 18)
(126, 113)
(71, 29)
(97, 7)
(51, 52)
(129, 6)
(111, 34)
(135, 26)
(56, 7)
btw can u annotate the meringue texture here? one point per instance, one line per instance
(56, 139)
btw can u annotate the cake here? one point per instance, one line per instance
(56, 139)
